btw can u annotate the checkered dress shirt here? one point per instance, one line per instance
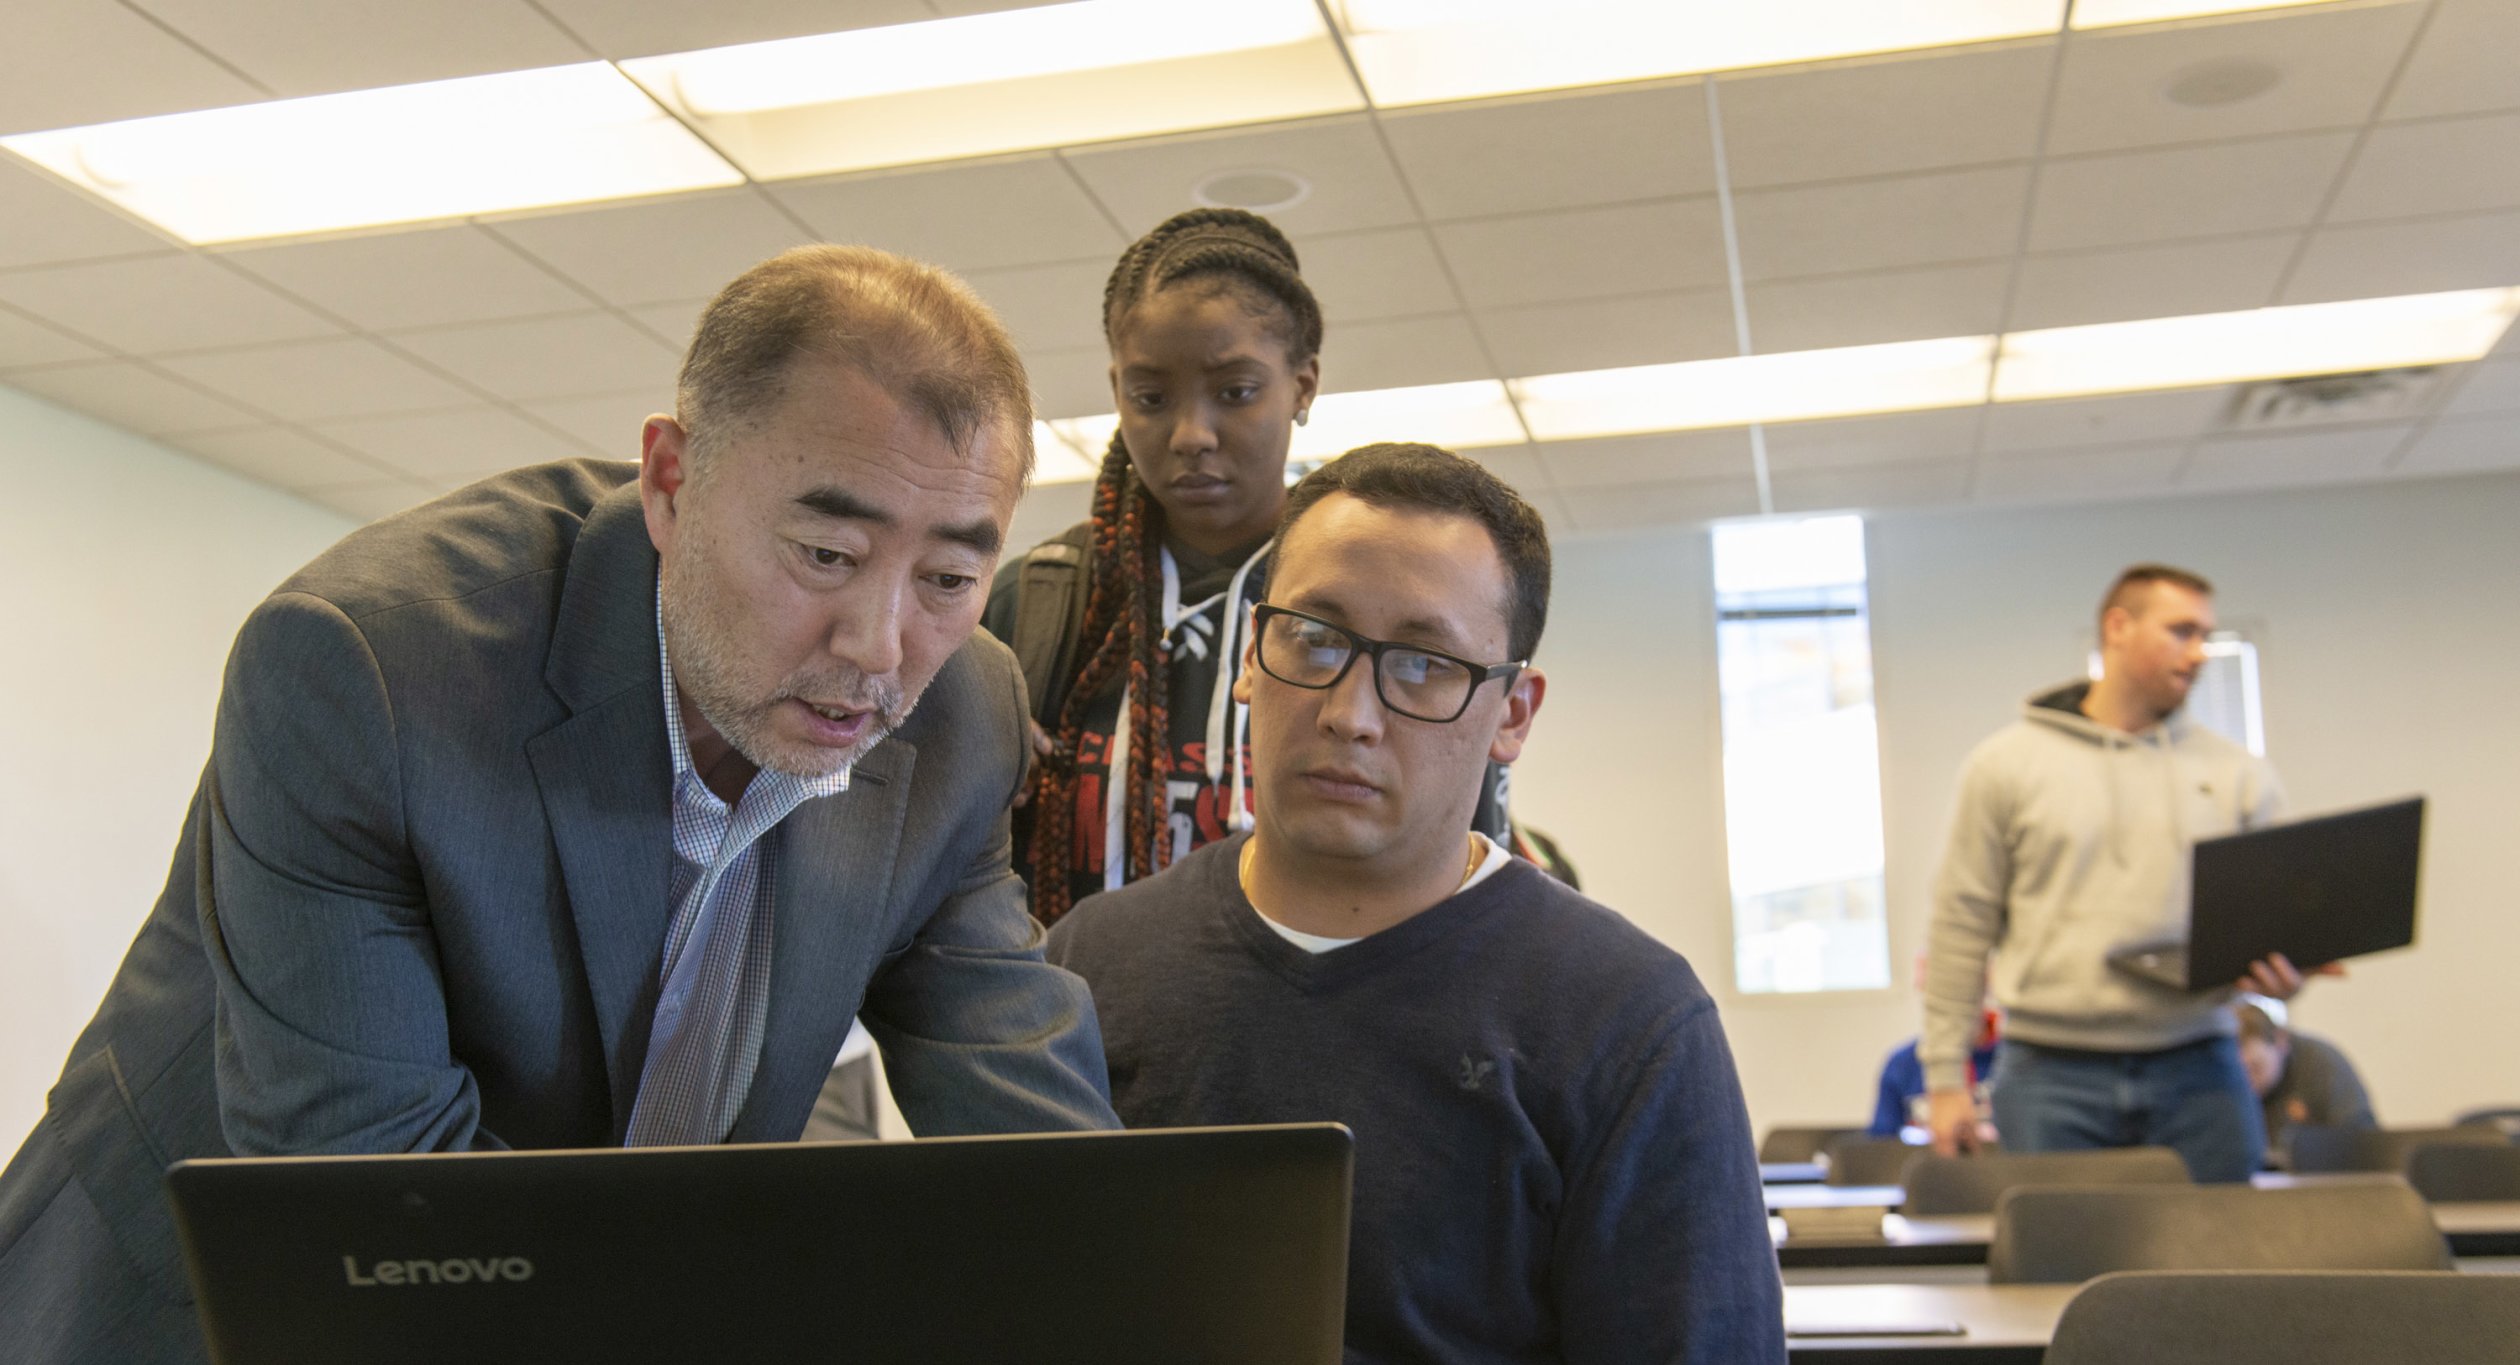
(715, 998)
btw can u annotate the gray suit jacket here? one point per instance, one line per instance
(420, 901)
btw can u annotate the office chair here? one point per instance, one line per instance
(2452, 1171)
(2297, 1317)
(2064, 1234)
(1788, 1144)
(2317, 1149)
(1943, 1185)
(1855, 1159)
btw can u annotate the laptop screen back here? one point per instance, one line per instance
(2314, 890)
(1207, 1245)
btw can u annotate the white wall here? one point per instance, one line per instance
(2390, 640)
(128, 569)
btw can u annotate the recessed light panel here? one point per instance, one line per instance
(1048, 76)
(411, 153)
(2119, 13)
(1790, 386)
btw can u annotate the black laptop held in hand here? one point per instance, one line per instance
(2316, 890)
(1223, 1246)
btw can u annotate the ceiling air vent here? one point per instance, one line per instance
(2331, 399)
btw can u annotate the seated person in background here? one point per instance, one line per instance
(1899, 1103)
(1553, 1162)
(2298, 1078)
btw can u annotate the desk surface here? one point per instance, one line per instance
(1997, 1322)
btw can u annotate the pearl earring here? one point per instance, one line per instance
(1301, 414)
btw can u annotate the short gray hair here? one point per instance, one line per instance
(917, 332)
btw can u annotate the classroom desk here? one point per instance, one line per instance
(1791, 1173)
(2473, 1230)
(2000, 1324)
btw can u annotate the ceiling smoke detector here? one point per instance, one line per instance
(2332, 399)
(2210, 85)
(1258, 189)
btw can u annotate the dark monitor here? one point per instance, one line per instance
(1219, 1245)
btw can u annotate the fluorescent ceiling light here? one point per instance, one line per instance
(2119, 13)
(1426, 51)
(1737, 391)
(444, 149)
(1455, 416)
(1056, 460)
(2263, 343)
(1053, 75)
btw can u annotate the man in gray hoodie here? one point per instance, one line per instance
(2071, 843)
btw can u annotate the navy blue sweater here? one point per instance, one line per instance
(1552, 1158)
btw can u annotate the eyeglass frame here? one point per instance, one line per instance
(1362, 645)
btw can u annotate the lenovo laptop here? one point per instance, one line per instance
(1218, 1246)
(2315, 890)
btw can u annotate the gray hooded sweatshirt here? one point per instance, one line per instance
(2071, 843)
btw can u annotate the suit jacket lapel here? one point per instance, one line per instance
(832, 893)
(606, 780)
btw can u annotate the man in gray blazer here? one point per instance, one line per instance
(554, 813)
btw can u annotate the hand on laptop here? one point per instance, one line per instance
(2277, 979)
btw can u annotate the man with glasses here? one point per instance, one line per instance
(1553, 1161)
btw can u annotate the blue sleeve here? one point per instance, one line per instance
(1902, 1079)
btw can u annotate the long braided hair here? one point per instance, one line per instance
(1121, 637)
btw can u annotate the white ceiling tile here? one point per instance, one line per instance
(1875, 224)
(2331, 64)
(1403, 352)
(2124, 283)
(311, 380)
(2129, 419)
(1605, 334)
(2443, 166)
(153, 304)
(1858, 310)
(1585, 253)
(25, 341)
(2373, 260)
(2294, 458)
(672, 323)
(1070, 383)
(616, 29)
(1145, 182)
(2465, 445)
(1519, 466)
(1899, 438)
(1657, 457)
(43, 222)
(426, 278)
(427, 447)
(1644, 506)
(313, 47)
(973, 216)
(1911, 112)
(369, 501)
(72, 62)
(2462, 64)
(658, 250)
(1048, 307)
(1939, 484)
(608, 424)
(2491, 385)
(2124, 198)
(2074, 475)
(281, 456)
(560, 357)
(1360, 276)
(1601, 146)
(133, 397)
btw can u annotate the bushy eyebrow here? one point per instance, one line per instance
(840, 504)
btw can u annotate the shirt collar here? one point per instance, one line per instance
(678, 743)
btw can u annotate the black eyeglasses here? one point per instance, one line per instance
(1422, 684)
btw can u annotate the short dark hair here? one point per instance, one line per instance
(2257, 1026)
(2128, 589)
(1235, 249)
(917, 332)
(1407, 474)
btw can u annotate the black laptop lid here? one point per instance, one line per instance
(2314, 890)
(1222, 1246)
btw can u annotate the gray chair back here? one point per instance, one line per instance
(1784, 1144)
(2505, 1118)
(2064, 1234)
(2316, 1150)
(1943, 1185)
(2290, 1318)
(1859, 1160)
(2452, 1171)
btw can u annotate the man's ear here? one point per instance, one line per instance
(1522, 704)
(1250, 665)
(664, 468)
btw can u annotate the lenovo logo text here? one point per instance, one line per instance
(452, 1270)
